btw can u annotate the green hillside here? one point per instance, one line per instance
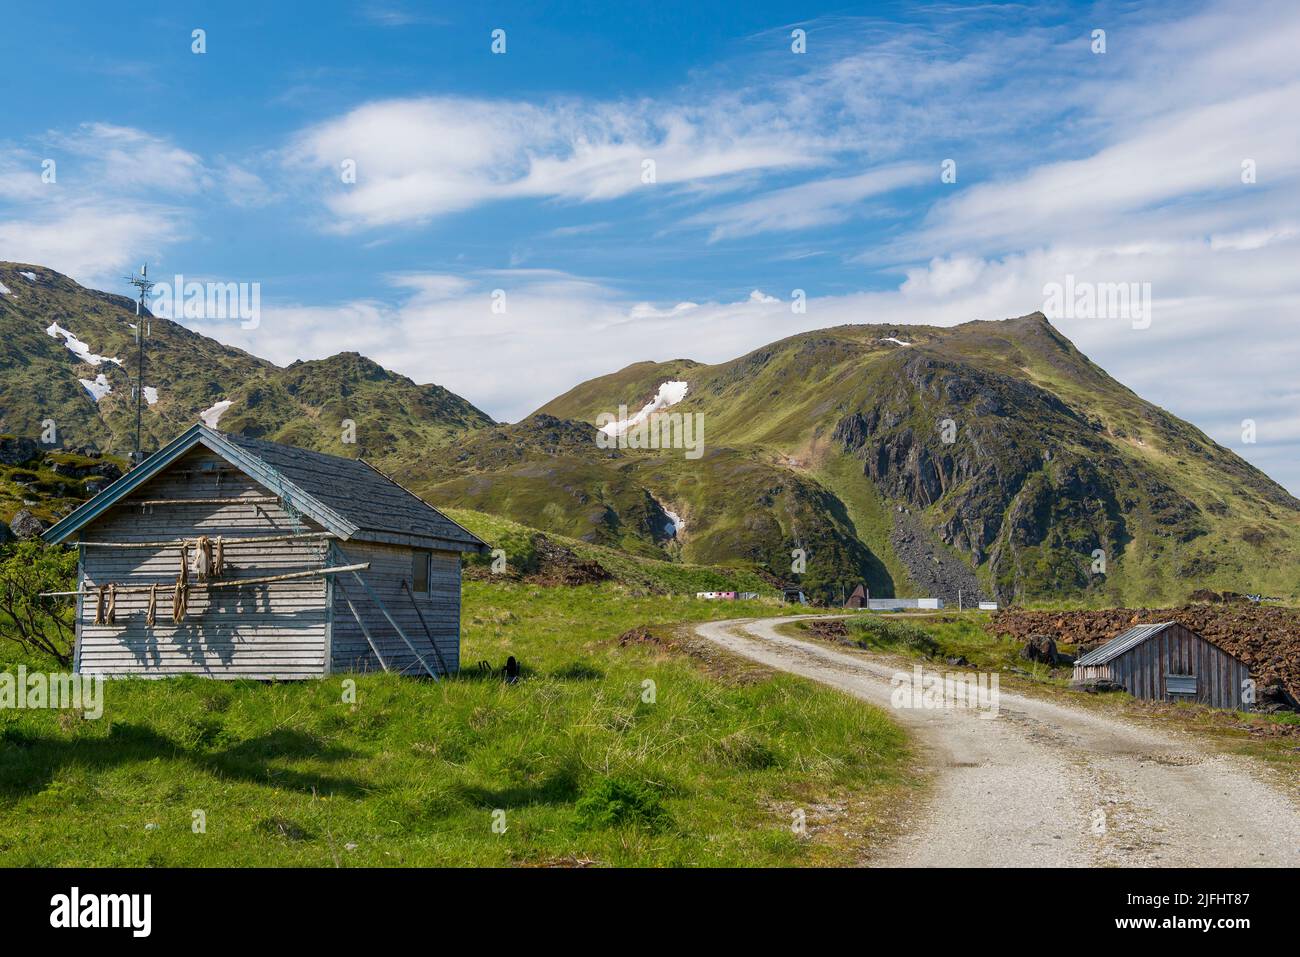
(307, 403)
(990, 458)
(1050, 459)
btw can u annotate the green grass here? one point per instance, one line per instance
(583, 766)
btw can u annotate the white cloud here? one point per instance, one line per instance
(92, 241)
(117, 195)
(420, 158)
(809, 204)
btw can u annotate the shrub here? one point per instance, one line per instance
(43, 625)
(617, 801)
(881, 632)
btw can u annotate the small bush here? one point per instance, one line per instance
(883, 633)
(615, 802)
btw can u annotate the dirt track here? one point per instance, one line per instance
(1048, 784)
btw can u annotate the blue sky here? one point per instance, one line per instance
(773, 171)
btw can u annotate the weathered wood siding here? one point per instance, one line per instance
(389, 566)
(276, 630)
(1143, 669)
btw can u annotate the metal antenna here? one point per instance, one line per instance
(142, 332)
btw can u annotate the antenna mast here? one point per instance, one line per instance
(144, 284)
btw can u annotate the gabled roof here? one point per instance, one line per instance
(348, 497)
(1122, 643)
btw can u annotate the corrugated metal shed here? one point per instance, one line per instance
(1122, 643)
(1165, 660)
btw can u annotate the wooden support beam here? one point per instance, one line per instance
(225, 583)
(383, 610)
(226, 540)
(236, 582)
(245, 500)
(362, 625)
(425, 625)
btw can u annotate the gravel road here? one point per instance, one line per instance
(1044, 783)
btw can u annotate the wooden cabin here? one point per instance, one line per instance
(232, 557)
(1169, 662)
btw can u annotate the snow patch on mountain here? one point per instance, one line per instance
(897, 342)
(213, 415)
(77, 347)
(676, 524)
(98, 387)
(670, 393)
(151, 395)
(29, 276)
(4, 290)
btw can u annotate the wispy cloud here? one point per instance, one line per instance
(95, 199)
(421, 158)
(806, 205)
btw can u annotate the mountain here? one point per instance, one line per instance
(1050, 459)
(63, 345)
(991, 457)
(69, 357)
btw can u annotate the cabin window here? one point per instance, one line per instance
(421, 571)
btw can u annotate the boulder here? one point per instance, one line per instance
(26, 525)
(1273, 698)
(1040, 648)
(15, 450)
(1096, 685)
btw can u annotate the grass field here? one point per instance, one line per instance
(584, 763)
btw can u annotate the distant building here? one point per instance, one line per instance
(727, 595)
(794, 596)
(1168, 662)
(859, 598)
(903, 604)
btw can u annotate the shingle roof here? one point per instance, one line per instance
(1122, 643)
(356, 490)
(347, 496)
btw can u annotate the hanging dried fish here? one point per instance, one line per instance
(151, 615)
(101, 604)
(180, 601)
